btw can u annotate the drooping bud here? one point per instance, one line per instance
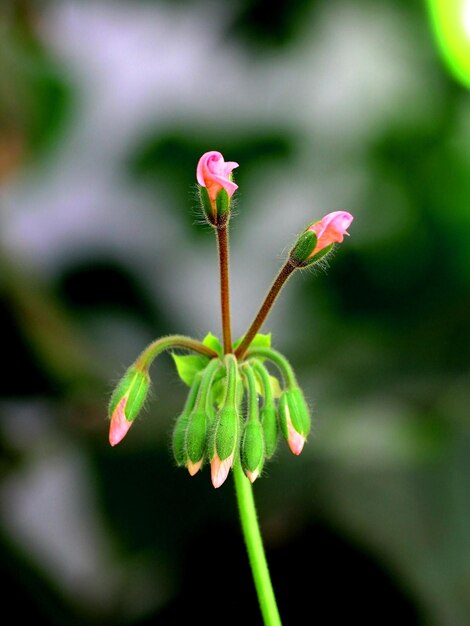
(179, 433)
(196, 435)
(268, 416)
(252, 449)
(214, 176)
(252, 444)
(294, 418)
(179, 440)
(225, 433)
(198, 421)
(126, 402)
(225, 441)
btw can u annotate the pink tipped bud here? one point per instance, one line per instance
(220, 470)
(214, 174)
(330, 229)
(119, 424)
(294, 419)
(295, 440)
(252, 476)
(193, 468)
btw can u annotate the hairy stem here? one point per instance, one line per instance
(279, 282)
(144, 360)
(222, 243)
(254, 545)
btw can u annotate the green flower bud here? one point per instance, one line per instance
(294, 418)
(196, 436)
(199, 419)
(270, 428)
(179, 433)
(268, 415)
(179, 440)
(224, 443)
(127, 401)
(252, 449)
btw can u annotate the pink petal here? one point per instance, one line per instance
(220, 470)
(203, 166)
(214, 173)
(193, 468)
(119, 424)
(331, 229)
(252, 475)
(295, 440)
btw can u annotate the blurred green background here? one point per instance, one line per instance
(105, 108)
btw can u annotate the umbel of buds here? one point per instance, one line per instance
(243, 396)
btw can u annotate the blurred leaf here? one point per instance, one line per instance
(188, 366)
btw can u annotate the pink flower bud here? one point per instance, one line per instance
(295, 440)
(330, 229)
(214, 174)
(119, 424)
(220, 469)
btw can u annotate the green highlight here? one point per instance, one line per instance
(451, 24)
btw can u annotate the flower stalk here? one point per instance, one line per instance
(217, 425)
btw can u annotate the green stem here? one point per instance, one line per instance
(222, 244)
(280, 361)
(254, 545)
(284, 273)
(145, 359)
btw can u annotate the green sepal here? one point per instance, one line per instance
(206, 204)
(179, 440)
(292, 403)
(270, 428)
(303, 247)
(196, 435)
(135, 385)
(226, 432)
(252, 447)
(222, 204)
(188, 366)
(319, 255)
(213, 342)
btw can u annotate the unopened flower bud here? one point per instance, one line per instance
(270, 428)
(318, 239)
(179, 433)
(196, 436)
(126, 402)
(294, 418)
(214, 176)
(268, 416)
(224, 444)
(252, 449)
(179, 440)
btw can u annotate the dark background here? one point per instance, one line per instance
(105, 108)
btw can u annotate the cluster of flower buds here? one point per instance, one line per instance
(234, 412)
(236, 408)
